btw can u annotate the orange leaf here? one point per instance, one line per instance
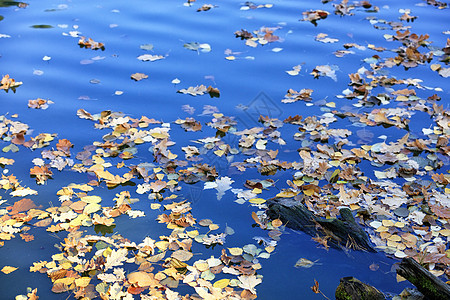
(22, 205)
(27, 237)
(315, 288)
(8, 269)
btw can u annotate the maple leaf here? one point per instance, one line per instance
(243, 34)
(249, 282)
(22, 192)
(322, 241)
(9, 83)
(194, 91)
(325, 70)
(39, 103)
(164, 218)
(33, 295)
(64, 145)
(37, 266)
(314, 15)
(6, 161)
(158, 185)
(27, 237)
(221, 185)
(90, 44)
(41, 173)
(214, 239)
(116, 258)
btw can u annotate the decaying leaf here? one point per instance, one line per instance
(138, 76)
(90, 44)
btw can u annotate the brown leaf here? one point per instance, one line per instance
(90, 44)
(213, 92)
(22, 205)
(64, 145)
(60, 288)
(139, 76)
(158, 185)
(315, 288)
(39, 103)
(43, 223)
(27, 237)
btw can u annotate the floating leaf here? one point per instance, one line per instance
(138, 76)
(8, 269)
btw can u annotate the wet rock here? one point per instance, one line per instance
(351, 288)
(339, 233)
(428, 284)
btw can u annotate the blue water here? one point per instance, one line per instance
(123, 26)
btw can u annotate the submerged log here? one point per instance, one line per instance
(338, 233)
(351, 288)
(429, 285)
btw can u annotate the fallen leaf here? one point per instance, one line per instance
(138, 76)
(8, 269)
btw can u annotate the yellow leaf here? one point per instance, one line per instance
(287, 194)
(201, 265)
(381, 229)
(395, 238)
(220, 284)
(298, 182)
(445, 232)
(155, 205)
(257, 191)
(91, 199)
(435, 67)
(387, 223)
(308, 192)
(50, 265)
(159, 135)
(269, 249)
(107, 252)
(66, 265)
(192, 234)
(354, 206)
(8, 269)
(335, 163)
(58, 256)
(37, 266)
(399, 224)
(236, 251)
(82, 282)
(213, 227)
(91, 208)
(171, 155)
(257, 200)
(6, 161)
(65, 280)
(400, 278)
(162, 245)
(219, 153)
